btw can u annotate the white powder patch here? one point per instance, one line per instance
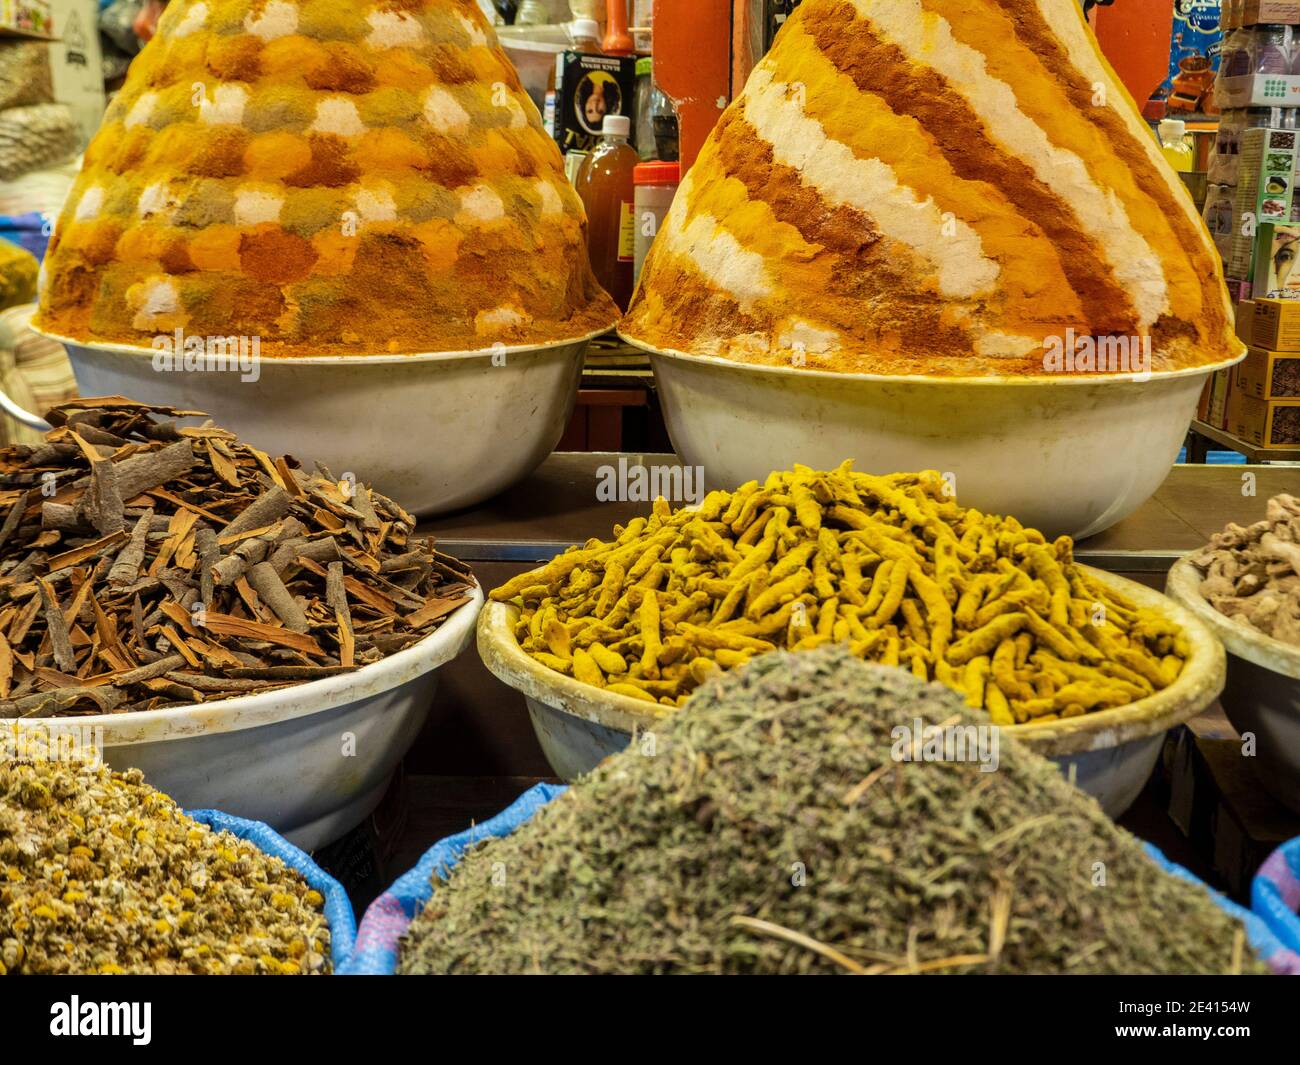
(715, 253)
(155, 199)
(444, 113)
(481, 204)
(193, 21)
(142, 110)
(154, 299)
(801, 335)
(498, 320)
(376, 204)
(226, 108)
(994, 345)
(477, 38)
(870, 186)
(339, 116)
(255, 206)
(90, 204)
(927, 39)
(1076, 37)
(551, 202)
(278, 19)
(393, 29)
(518, 117)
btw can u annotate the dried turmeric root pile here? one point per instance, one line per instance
(1252, 574)
(891, 566)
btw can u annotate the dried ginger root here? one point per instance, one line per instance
(891, 566)
(1252, 574)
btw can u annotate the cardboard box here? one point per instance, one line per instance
(1217, 409)
(1276, 325)
(1258, 90)
(76, 63)
(1268, 374)
(26, 18)
(1269, 13)
(1244, 321)
(1239, 291)
(1264, 423)
(587, 88)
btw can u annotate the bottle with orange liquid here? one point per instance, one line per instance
(608, 193)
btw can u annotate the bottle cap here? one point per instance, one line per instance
(1172, 129)
(657, 172)
(585, 29)
(617, 125)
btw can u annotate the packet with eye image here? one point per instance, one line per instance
(1276, 272)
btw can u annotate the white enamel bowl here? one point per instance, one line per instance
(312, 760)
(436, 432)
(1262, 696)
(1109, 754)
(1069, 455)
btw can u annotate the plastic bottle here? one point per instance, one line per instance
(1173, 139)
(663, 120)
(605, 184)
(586, 35)
(645, 132)
(656, 185)
(617, 40)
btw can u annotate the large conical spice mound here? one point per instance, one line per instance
(332, 177)
(954, 187)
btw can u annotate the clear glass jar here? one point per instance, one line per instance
(533, 13)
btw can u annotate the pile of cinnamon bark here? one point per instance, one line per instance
(147, 564)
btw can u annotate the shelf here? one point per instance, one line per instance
(1253, 454)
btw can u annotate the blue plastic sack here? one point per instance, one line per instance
(30, 231)
(1266, 945)
(338, 908)
(1275, 896)
(388, 917)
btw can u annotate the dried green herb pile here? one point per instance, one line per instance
(100, 873)
(687, 860)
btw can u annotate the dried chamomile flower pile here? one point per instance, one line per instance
(100, 873)
(1252, 574)
(891, 566)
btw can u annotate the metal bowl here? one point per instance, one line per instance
(1262, 696)
(438, 432)
(312, 761)
(1109, 754)
(1070, 455)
